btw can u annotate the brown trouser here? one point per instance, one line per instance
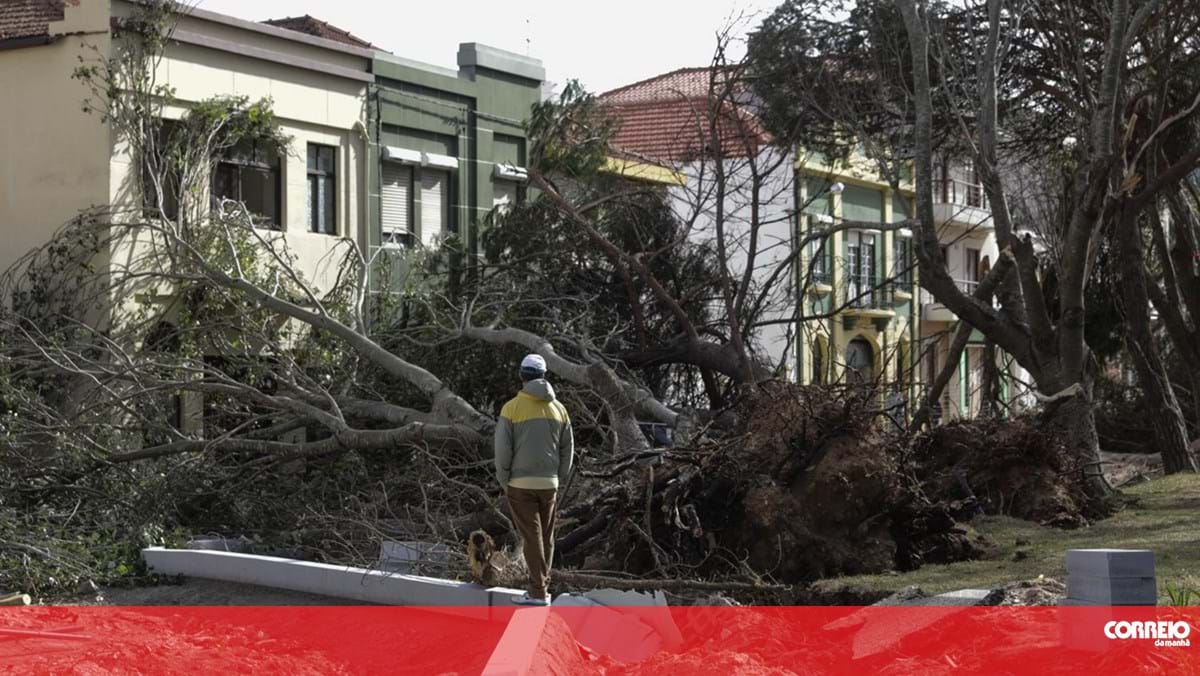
(533, 515)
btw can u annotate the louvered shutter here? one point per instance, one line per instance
(435, 207)
(395, 197)
(504, 195)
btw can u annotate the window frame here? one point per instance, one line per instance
(391, 238)
(274, 165)
(902, 255)
(448, 207)
(315, 173)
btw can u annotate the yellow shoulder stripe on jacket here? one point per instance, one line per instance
(524, 408)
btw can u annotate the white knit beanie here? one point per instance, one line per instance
(533, 364)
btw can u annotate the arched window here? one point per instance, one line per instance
(860, 362)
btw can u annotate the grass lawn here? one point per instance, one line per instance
(1164, 519)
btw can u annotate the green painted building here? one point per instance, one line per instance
(447, 147)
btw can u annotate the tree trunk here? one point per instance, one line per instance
(962, 336)
(1070, 420)
(1166, 417)
(989, 406)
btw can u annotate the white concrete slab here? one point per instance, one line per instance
(347, 582)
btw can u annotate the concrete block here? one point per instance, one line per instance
(1111, 562)
(1112, 591)
(358, 584)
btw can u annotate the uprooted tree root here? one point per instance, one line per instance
(807, 488)
(1007, 467)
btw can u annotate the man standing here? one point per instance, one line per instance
(534, 451)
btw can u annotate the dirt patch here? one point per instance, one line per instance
(1043, 591)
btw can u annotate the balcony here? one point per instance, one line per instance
(933, 311)
(867, 299)
(820, 281)
(961, 203)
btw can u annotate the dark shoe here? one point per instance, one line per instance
(527, 600)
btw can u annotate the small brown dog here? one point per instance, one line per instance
(481, 552)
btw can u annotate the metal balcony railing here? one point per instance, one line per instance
(953, 191)
(866, 293)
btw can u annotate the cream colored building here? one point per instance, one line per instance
(56, 160)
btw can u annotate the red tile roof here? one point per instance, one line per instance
(28, 18)
(317, 28)
(666, 118)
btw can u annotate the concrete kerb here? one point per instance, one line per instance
(358, 584)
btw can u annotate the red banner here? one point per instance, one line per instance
(599, 640)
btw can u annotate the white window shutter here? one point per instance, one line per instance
(435, 207)
(395, 198)
(504, 194)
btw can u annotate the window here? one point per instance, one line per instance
(435, 207)
(970, 270)
(505, 195)
(819, 251)
(396, 200)
(860, 362)
(903, 263)
(168, 178)
(820, 262)
(860, 268)
(322, 189)
(251, 176)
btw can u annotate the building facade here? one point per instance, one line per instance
(449, 146)
(882, 327)
(386, 152)
(313, 193)
(860, 316)
(861, 309)
(668, 121)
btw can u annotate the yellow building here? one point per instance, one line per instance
(860, 318)
(866, 320)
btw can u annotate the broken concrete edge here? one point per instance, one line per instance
(344, 582)
(659, 619)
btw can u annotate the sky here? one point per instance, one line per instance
(603, 43)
